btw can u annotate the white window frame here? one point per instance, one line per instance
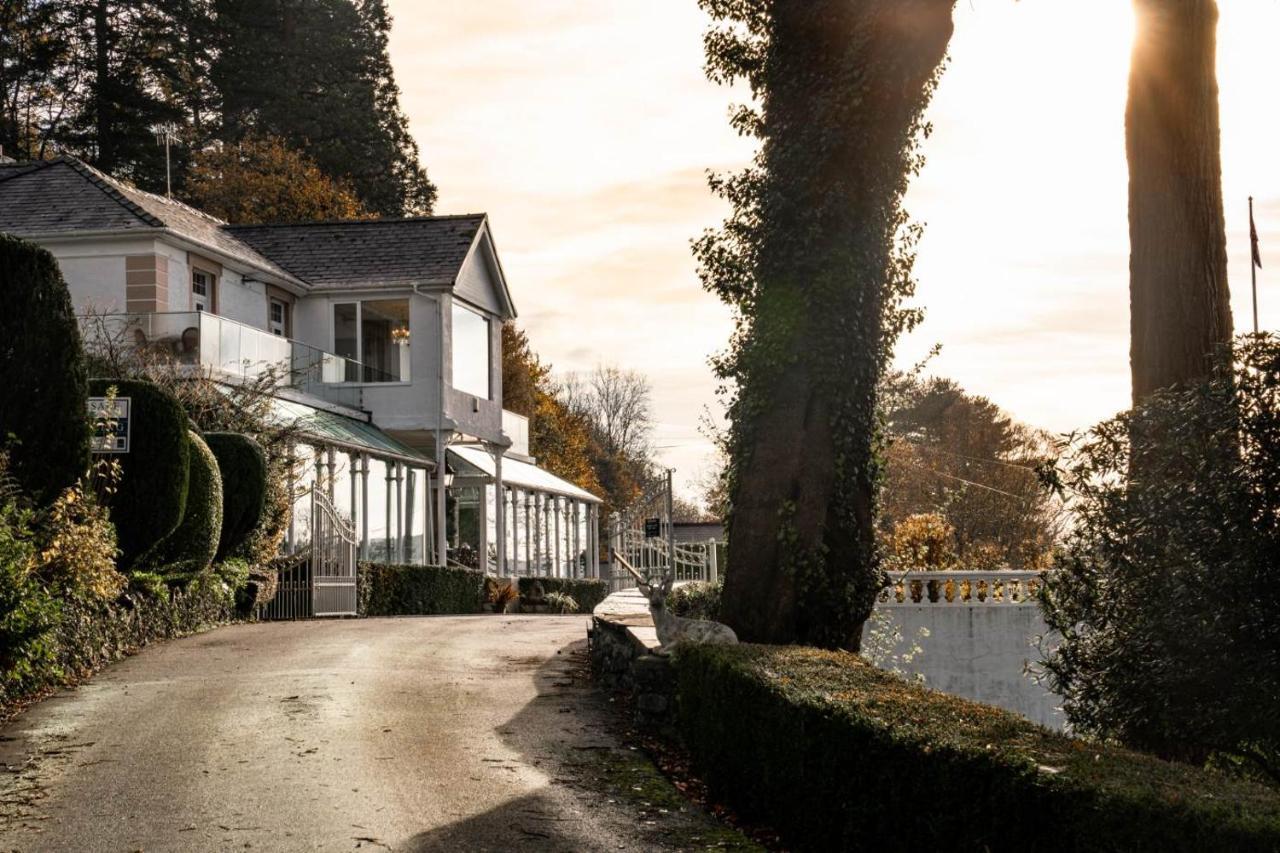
(272, 303)
(210, 298)
(359, 303)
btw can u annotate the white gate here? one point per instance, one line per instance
(322, 580)
(645, 536)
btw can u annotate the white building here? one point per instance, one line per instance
(391, 330)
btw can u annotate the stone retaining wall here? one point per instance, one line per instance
(622, 641)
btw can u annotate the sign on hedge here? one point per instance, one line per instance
(110, 424)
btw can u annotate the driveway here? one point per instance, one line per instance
(432, 733)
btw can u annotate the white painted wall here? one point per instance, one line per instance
(981, 652)
(94, 270)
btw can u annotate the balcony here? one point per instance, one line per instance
(233, 351)
(516, 428)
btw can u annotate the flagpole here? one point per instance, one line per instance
(1253, 267)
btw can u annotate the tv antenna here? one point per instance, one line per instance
(166, 135)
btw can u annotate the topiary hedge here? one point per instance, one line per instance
(588, 593)
(838, 755)
(393, 590)
(43, 394)
(191, 547)
(151, 497)
(243, 466)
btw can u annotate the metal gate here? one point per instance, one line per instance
(645, 537)
(322, 580)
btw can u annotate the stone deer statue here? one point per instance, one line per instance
(674, 629)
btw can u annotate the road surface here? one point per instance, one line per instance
(430, 733)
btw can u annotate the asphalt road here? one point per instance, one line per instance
(433, 733)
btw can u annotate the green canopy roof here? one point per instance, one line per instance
(341, 431)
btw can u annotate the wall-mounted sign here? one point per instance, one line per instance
(652, 528)
(110, 424)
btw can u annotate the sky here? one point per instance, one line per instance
(585, 131)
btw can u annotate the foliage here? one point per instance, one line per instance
(499, 592)
(28, 613)
(698, 600)
(1165, 593)
(586, 592)
(234, 572)
(558, 602)
(264, 180)
(243, 467)
(882, 644)
(815, 261)
(151, 498)
(317, 74)
(392, 590)
(77, 552)
(43, 397)
(828, 749)
(958, 456)
(924, 541)
(190, 549)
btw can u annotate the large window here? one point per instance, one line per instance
(470, 351)
(374, 333)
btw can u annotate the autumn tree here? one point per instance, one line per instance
(1180, 305)
(262, 179)
(814, 259)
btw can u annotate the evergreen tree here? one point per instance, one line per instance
(316, 73)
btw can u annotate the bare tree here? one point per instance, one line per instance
(619, 404)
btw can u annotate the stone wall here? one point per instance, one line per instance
(622, 643)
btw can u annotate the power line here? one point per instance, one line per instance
(976, 485)
(1000, 462)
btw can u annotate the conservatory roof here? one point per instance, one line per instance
(341, 431)
(476, 461)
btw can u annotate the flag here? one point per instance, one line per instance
(1253, 239)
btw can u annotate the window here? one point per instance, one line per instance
(203, 291)
(375, 335)
(278, 317)
(470, 351)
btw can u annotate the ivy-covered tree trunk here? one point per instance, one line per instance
(816, 259)
(1180, 307)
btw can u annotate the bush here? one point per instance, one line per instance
(1165, 595)
(392, 590)
(697, 600)
(838, 755)
(243, 466)
(28, 613)
(77, 548)
(558, 602)
(923, 541)
(43, 395)
(191, 547)
(586, 592)
(151, 498)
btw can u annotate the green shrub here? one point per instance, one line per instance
(191, 547)
(836, 754)
(1165, 594)
(77, 547)
(243, 466)
(558, 602)
(391, 590)
(28, 613)
(586, 592)
(697, 600)
(43, 396)
(151, 498)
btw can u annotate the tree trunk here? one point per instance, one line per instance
(1180, 308)
(846, 83)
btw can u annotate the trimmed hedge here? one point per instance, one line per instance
(243, 466)
(838, 755)
(44, 397)
(392, 590)
(152, 496)
(588, 593)
(191, 547)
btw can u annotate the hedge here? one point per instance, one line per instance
(92, 634)
(44, 396)
(151, 498)
(393, 590)
(588, 593)
(243, 466)
(838, 755)
(191, 547)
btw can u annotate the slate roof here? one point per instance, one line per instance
(366, 254)
(66, 196)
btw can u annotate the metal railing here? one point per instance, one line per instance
(235, 350)
(961, 588)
